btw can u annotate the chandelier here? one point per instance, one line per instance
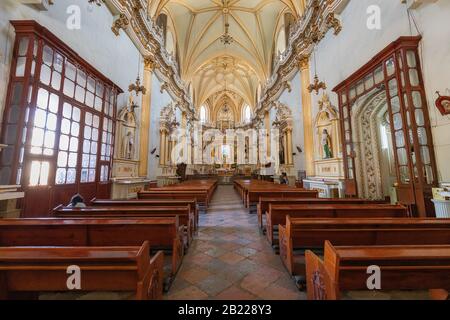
(226, 38)
(317, 85)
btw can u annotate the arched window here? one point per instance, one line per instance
(247, 114)
(203, 115)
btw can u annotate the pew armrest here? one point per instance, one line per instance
(154, 279)
(286, 250)
(269, 227)
(319, 283)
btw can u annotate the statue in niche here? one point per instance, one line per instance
(281, 152)
(327, 145)
(128, 146)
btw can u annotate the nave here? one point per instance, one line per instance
(231, 259)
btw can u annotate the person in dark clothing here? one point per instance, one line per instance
(77, 201)
(284, 179)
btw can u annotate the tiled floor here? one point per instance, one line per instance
(230, 259)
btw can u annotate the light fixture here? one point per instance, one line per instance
(317, 85)
(137, 87)
(226, 38)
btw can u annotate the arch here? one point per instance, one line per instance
(246, 114)
(203, 114)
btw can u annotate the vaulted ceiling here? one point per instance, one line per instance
(208, 64)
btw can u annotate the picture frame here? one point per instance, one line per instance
(443, 104)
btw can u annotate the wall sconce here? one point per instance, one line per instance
(299, 149)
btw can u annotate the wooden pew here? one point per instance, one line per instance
(253, 195)
(150, 203)
(186, 218)
(44, 269)
(277, 213)
(419, 267)
(200, 196)
(306, 233)
(264, 203)
(161, 234)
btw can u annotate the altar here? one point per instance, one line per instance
(326, 188)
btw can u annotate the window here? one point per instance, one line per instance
(247, 114)
(203, 115)
(59, 118)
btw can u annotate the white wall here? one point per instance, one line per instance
(115, 57)
(293, 100)
(340, 56)
(158, 102)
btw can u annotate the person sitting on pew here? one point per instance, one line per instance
(284, 179)
(77, 201)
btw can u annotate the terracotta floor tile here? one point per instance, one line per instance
(213, 285)
(231, 258)
(189, 293)
(193, 275)
(235, 293)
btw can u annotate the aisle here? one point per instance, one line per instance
(230, 259)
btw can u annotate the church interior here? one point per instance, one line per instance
(224, 150)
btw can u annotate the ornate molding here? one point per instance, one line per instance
(150, 41)
(120, 23)
(320, 16)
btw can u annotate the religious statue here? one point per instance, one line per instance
(327, 145)
(128, 146)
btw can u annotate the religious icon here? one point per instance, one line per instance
(128, 146)
(327, 145)
(443, 104)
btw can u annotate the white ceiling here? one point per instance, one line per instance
(205, 61)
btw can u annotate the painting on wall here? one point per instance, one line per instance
(443, 104)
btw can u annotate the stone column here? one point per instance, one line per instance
(285, 141)
(144, 141)
(307, 116)
(267, 127)
(290, 160)
(162, 147)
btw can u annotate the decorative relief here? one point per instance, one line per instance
(120, 23)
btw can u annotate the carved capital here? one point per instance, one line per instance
(149, 63)
(120, 23)
(303, 63)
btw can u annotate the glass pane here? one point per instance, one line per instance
(70, 71)
(360, 87)
(64, 142)
(96, 121)
(398, 122)
(422, 134)
(58, 62)
(379, 75)
(81, 78)
(420, 120)
(42, 99)
(393, 88)
(89, 99)
(414, 77)
(429, 174)
(49, 141)
(71, 174)
(34, 173)
(369, 83)
(76, 114)
(51, 121)
(20, 68)
(39, 118)
(402, 156)
(395, 104)
(425, 155)
(411, 58)
(54, 103)
(404, 174)
(45, 74)
(38, 137)
(67, 110)
(65, 126)
(400, 139)
(60, 176)
(75, 129)
(79, 93)
(47, 55)
(23, 46)
(352, 92)
(69, 88)
(73, 144)
(72, 162)
(56, 80)
(390, 67)
(62, 159)
(91, 84)
(417, 99)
